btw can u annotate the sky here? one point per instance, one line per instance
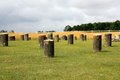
(46, 15)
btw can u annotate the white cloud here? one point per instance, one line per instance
(34, 15)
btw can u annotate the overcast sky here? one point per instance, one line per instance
(35, 15)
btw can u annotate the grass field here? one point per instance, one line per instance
(24, 60)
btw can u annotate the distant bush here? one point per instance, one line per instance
(50, 31)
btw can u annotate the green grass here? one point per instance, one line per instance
(24, 60)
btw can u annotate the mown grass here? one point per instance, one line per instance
(24, 60)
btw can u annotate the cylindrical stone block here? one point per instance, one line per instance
(26, 37)
(108, 40)
(64, 37)
(85, 37)
(97, 43)
(50, 36)
(82, 38)
(75, 37)
(119, 37)
(29, 38)
(4, 39)
(41, 40)
(57, 38)
(70, 39)
(12, 38)
(22, 37)
(49, 48)
(0, 39)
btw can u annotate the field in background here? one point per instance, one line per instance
(76, 33)
(24, 60)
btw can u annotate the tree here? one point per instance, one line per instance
(12, 31)
(90, 26)
(68, 28)
(116, 25)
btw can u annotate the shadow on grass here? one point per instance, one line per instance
(59, 56)
(55, 56)
(114, 46)
(9, 46)
(105, 51)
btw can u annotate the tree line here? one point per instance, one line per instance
(94, 26)
(5, 31)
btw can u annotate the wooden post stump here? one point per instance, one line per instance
(57, 38)
(64, 37)
(49, 48)
(97, 43)
(50, 36)
(12, 38)
(108, 40)
(22, 37)
(4, 39)
(26, 37)
(70, 39)
(41, 40)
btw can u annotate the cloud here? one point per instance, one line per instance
(34, 15)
